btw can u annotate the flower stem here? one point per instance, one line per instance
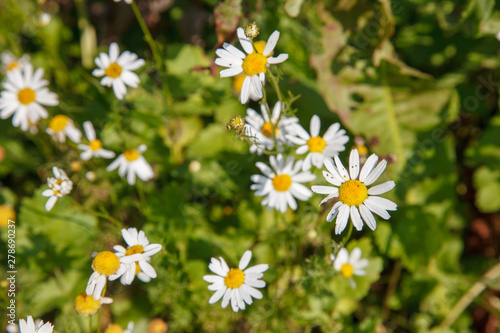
(90, 324)
(346, 238)
(274, 82)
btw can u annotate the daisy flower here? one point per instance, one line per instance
(236, 284)
(87, 305)
(253, 64)
(349, 265)
(30, 326)
(260, 128)
(10, 62)
(25, 93)
(61, 126)
(118, 70)
(106, 265)
(94, 148)
(60, 185)
(319, 148)
(354, 196)
(136, 256)
(115, 328)
(132, 163)
(281, 183)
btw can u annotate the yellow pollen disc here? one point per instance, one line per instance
(254, 63)
(113, 71)
(234, 278)
(59, 181)
(260, 46)
(26, 96)
(6, 213)
(362, 150)
(353, 193)
(282, 183)
(12, 65)
(238, 82)
(347, 270)
(131, 154)
(58, 123)
(137, 268)
(86, 305)
(95, 144)
(106, 263)
(316, 145)
(113, 328)
(267, 129)
(134, 249)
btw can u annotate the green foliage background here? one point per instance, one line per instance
(417, 79)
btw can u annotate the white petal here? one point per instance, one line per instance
(373, 176)
(342, 219)
(356, 219)
(368, 217)
(368, 167)
(382, 188)
(245, 42)
(354, 164)
(277, 60)
(245, 259)
(271, 43)
(315, 126)
(342, 171)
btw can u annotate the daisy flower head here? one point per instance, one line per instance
(132, 164)
(87, 305)
(280, 184)
(235, 285)
(260, 128)
(117, 69)
(319, 148)
(349, 265)
(128, 2)
(59, 186)
(94, 148)
(30, 326)
(136, 256)
(106, 265)
(61, 126)
(25, 93)
(115, 328)
(355, 198)
(253, 64)
(10, 62)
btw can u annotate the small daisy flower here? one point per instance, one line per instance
(136, 256)
(354, 196)
(253, 64)
(319, 148)
(133, 164)
(29, 326)
(87, 305)
(126, 1)
(25, 93)
(260, 128)
(61, 126)
(60, 185)
(237, 285)
(281, 183)
(94, 148)
(106, 265)
(115, 328)
(10, 62)
(118, 70)
(350, 265)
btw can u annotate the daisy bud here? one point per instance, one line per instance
(251, 30)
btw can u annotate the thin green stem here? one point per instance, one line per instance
(90, 324)
(346, 238)
(99, 312)
(274, 82)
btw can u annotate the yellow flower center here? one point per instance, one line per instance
(95, 144)
(12, 65)
(134, 249)
(282, 183)
(131, 154)
(114, 328)
(362, 150)
(267, 129)
(106, 263)
(56, 192)
(353, 193)
(113, 71)
(86, 305)
(137, 268)
(58, 123)
(316, 145)
(260, 46)
(347, 270)
(238, 82)
(6, 213)
(254, 63)
(234, 278)
(26, 96)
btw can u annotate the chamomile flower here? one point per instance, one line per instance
(136, 256)
(87, 305)
(61, 126)
(253, 64)
(59, 186)
(260, 128)
(94, 148)
(235, 285)
(115, 328)
(354, 196)
(281, 183)
(10, 62)
(320, 148)
(117, 69)
(106, 265)
(30, 326)
(25, 93)
(133, 164)
(349, 265)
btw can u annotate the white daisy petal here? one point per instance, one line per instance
(382, 188)
(354, 164)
